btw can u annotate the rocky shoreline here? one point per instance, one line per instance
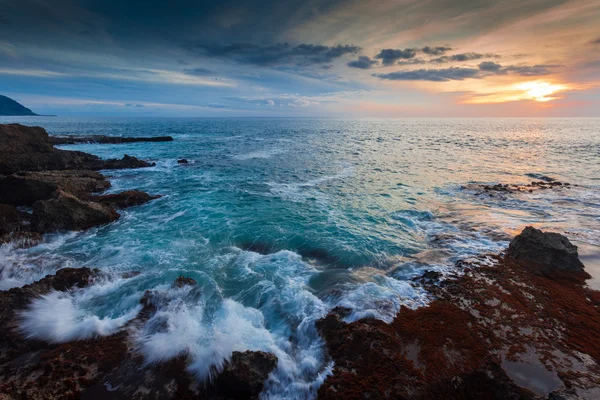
(519, 325)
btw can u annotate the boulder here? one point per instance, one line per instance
(183, 281)
(550, 250)
(125, 199)
(244, 375)
(182, 161)
(124, 163)
(66, 212)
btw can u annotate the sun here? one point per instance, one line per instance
(540, 91)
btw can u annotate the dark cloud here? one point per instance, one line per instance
(596, 41)
(390, 56)
(490, 66)
(414, 61)
(199, 71)
(526, 70)
(484, 69)
(277, 54)
(363, 62)
(433, 75)
(462, 57)
(436, 51)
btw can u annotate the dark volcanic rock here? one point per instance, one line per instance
(183, 161)
(20, 191)
(244, 376)
(25, 188)
(102, 139)
(125, 199)
(11, 219)
(24, 148)
(66, 212)
(183, 281)
(21, 239)
(125, 163)
(548, 249)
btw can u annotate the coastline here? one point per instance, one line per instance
(455, 307)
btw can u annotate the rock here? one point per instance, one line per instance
(12, 219)
(25, 188)
(125, 199)
(183, 281)
(102, 139)
(244, 376)
(21, 240)
(66, 212)
(20, 191)
(183, 161)
(125, 163)
(24, 148)
(551, 250)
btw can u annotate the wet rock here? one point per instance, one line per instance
(21, 240)
(125, 199)
(66, 212)
(183, 281)
(127, 162)
(102, 139)
(12, 219)
(551, 250)
(25, 188)
(244, 376)
(183, 161)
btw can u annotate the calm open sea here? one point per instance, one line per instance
(279, 220)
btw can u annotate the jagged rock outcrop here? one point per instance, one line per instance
(102, 139)
(551, 250)
(25, 188)
(66, 212)
(244, 375)
(125, 199)
(24, 148)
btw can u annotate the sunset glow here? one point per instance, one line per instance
(541, 91)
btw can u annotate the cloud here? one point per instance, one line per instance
(436, 51)
(533, 70)
(363, 62)
(433, 75)
(596, 41)
(490, 66)
(414, 61)
(302, 102)
(390, 56)
(199, 72)
(462, 57)
(275, 55)
(484, 69)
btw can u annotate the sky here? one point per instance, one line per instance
(304, 58)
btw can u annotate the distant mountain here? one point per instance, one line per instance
(10, 107)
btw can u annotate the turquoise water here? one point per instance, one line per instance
(279, 220)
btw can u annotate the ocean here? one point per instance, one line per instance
(281, 220)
